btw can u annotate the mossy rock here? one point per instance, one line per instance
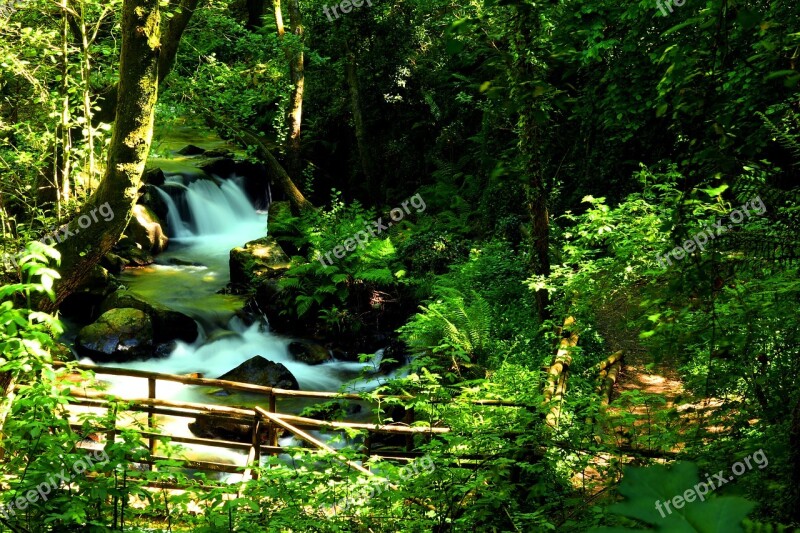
(145, 229)
(309, 352)
(259, 259)
(168, 324)
(119, 335)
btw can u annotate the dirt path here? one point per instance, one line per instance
(651, 409)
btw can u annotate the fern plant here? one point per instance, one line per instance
(455, 326)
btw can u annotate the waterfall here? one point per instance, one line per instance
(211, 209)
(176, 226)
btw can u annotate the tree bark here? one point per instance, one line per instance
(536, 191)
(294, 161)
(276, 171)
(276, 5)
(351, 72)
(170, 42)
(7, 382)
(85, 244)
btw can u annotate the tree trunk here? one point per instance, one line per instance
(276, 5)
(86, 243)
(7, 382)
(527, 130)
(294, 161)
(276, 171)
(351, 71)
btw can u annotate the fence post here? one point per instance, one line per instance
(151, 417)
(409, 420)
(256, 444)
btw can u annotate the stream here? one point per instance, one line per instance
(206, 219)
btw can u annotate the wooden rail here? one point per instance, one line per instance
(264, 421)
(262, 427)
(556, 385)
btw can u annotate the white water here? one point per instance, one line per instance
(219, 218)
(175, 224)
(223, 218)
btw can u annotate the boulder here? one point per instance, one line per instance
(137, 257)
(258, 259)
(154, 176)
(146, 231)
(218, 166)
(113, 263)
(168, 324)
(176, 261)
(153, 200)
(119, 335)
(191, 149)
(309, 352)
(260, 371)
(218, 152)
(207, 427)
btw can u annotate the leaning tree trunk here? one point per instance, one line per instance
(86, 244)
(294, 161)
(276, 172)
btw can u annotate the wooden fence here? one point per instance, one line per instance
(265, 422)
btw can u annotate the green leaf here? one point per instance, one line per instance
(651, 494)
(713, 193)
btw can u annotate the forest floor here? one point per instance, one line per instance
(668, 415)
(651, 410)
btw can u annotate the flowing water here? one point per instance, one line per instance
(206, 219)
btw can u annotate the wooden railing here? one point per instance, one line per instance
(265, 423)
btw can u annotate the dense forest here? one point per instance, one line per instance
(399, 265)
